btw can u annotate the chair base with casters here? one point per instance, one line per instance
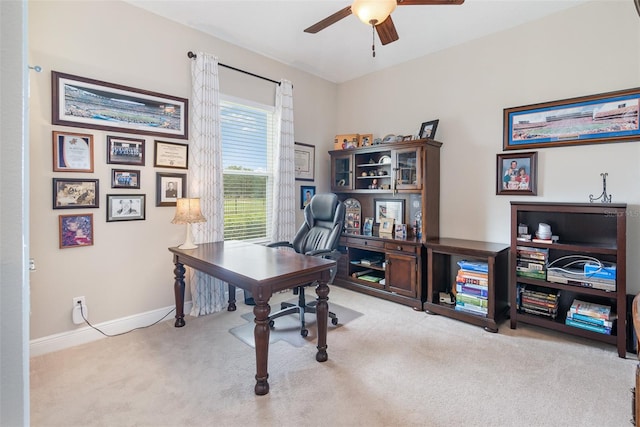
(301, 308)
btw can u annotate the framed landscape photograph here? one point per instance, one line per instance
(125, 207)
(125, 151)
(89, 103)
(75, 193)
(428, 129)
(305, 159)
(72, 152)
(306, 194)
(75, 230)
(606, 117)
(170, 187)
(389, 208)
(517, 174)
(125, 178)
(171, 155)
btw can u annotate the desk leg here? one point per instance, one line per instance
(232, 298)
(322, 314)
(178, 290)
(261, 335)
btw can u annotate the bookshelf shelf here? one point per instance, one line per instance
(584, 230)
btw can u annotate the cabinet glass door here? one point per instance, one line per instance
(342, 172)
(408, 169)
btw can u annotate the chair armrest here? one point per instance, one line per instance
(325, 253)
(279, 244)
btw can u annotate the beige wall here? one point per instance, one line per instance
(585, 50)
(129, 271)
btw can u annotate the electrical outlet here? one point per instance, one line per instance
(77, 313)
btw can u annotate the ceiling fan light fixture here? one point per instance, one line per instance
(373, 12)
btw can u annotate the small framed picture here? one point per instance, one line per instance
(517, 174)
(170, 187)
(125, 178)
(389, 208)
(72, 152)
(171, 155)
(401, 231)
(386, 226)
(125, 151)
(75, 230)
(365, 140)
(306, 193)
(75, 193)
(125, 207)
(367, 226)
(428, 129)
(407, 138)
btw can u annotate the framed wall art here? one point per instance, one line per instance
(171, 155)
(517, 174)
(170, 187)
(75, 230)
(125, 207)
(88, 103)
(75, 193)
(306, 194)
(125, 151)
(305, 160)
(125, 178)
(389, 208)
(72, 152)
(428, 129)
(606, 117)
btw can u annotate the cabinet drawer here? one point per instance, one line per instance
(350, 241)
(401, 247)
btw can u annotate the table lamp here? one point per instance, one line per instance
(188, 212)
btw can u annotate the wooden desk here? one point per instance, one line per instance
(262, 271)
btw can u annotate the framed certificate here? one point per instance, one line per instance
(171, 155)
(72, 152)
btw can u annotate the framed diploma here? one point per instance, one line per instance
(171, 155)
(72, 152)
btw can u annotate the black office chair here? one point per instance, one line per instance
(318, 236)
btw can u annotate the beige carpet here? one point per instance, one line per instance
(392, 366)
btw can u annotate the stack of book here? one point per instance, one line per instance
(532, 262)
(591, 317)
(538, 302)
(472, 287)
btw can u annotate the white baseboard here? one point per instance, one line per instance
(87, 334)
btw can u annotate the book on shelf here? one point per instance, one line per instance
(535, 302)
(532, 274)
(479, 266)
(528, 264)
(370, 278)
(588, 326)
(536, 240)
(470, 289)
(471, 309)
(473, 274)
(461, 278)
(591, 309)
(540, 312)
(467, 299)
(592, 320)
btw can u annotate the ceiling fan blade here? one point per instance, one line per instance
(387, 31)
(427, 2)
(321, 25)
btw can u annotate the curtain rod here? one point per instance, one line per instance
(193, 56)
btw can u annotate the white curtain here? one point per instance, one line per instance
(284, 205)
(205, 176)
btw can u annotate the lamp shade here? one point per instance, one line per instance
(188, 211)
(373, 12)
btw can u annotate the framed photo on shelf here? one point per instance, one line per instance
(365, 140)
(88, 103)
(389, 208)
(305, 159)
(125, 178)
(606, 117)
(125, 151)
(306, 194)
(428, 129)
(75, 193)
(72, 152)
(367, 226)
(386, 227)
(517, 174)
(125, 207)
(171, 155)
(170, 187)
(75, 230)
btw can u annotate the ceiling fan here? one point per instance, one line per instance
(376, 13)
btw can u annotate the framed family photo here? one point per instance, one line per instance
(125, 178)
(125, 151)
(389, 208)
(170, 187)
(72, 152)
(517, 174)
(306, 194)
(125, 207)
(75, 230)
(428, 129)
(89, 103)
(75, 193)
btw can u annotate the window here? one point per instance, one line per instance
(247, 132)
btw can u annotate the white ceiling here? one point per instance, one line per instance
(342, 51)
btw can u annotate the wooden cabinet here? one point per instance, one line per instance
(406, 172)
(585, 232)
(442, 257)
(385, 268)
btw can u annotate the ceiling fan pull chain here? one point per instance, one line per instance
(373, 39)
